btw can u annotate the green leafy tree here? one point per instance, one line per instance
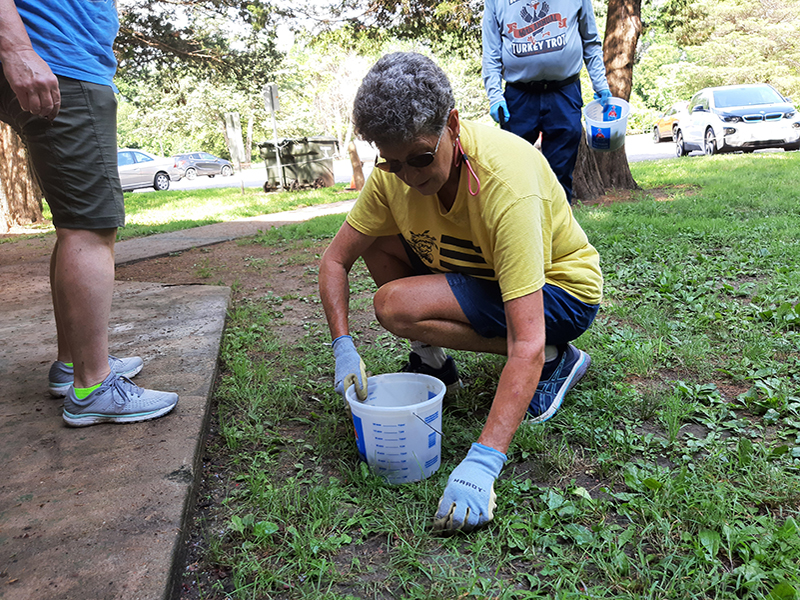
(720, 42)
(231, 41)
(188, 116)
(450, 26)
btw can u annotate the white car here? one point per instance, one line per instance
(140, 169)
(738, 118)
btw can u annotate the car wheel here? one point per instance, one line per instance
(211, 176)
(674, 131)
(710, 147)
(161, 182)
(656, 135)
(226, 171)
(191, 174)
(680, 149)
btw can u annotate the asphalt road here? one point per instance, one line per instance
(642, 147)
(638, 148)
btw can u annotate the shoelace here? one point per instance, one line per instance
(124, 387)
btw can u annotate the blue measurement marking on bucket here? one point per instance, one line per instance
(431, 462)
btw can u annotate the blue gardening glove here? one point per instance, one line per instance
(604, 96)
(496, 109)
(469, 498)
(349, 367)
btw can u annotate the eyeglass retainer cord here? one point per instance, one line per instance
(463, 155)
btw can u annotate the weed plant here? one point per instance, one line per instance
(670, 472)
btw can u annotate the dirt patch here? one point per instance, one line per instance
(661, 194)
(18, 249)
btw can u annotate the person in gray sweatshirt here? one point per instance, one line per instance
(539, 48)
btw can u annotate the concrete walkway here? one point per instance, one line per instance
(100, 513)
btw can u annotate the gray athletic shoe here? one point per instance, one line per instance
(61, 375)
(117, 400)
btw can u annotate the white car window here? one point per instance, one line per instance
(746, 97)
(125, 158)
(140, 158)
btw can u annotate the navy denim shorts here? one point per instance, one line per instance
(565, 317)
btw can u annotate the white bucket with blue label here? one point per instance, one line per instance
(398, 427)
(606, 126)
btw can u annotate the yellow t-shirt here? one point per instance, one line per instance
(519, 230)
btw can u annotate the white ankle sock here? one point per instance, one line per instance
(433, 356)
(550, 353)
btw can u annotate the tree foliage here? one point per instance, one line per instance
(229, 41)
(447, 26)
(702, 43)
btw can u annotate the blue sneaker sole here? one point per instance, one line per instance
(578, 371)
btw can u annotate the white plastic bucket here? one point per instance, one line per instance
(398, 427)
(605, 128)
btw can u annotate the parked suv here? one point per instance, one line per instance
(738, 117)
(203, 163)
(140, 169)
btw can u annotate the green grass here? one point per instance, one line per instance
(148, 213)
(672, 471)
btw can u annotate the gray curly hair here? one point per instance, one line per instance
(404, 95)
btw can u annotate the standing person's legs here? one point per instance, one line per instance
(562, 131)
(75, 160)
(525, 108)
(82, 282)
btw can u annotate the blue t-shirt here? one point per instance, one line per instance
(74, 37)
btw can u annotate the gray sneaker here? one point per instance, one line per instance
(117, 400)
(61, 375)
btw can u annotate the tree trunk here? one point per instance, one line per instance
(357, 181)
(20, 194)
(596, 172)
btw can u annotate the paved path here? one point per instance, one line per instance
(100, 513)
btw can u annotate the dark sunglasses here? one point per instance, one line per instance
(419, 161)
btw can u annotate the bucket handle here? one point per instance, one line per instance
(426, 423)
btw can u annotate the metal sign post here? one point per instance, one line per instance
(270, 93)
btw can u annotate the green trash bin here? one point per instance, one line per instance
(322, 151)
(306, 162)
(267, 152)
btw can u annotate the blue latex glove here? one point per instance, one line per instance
(469, 498)
(495, 109)
(604, 96)
(349, 367)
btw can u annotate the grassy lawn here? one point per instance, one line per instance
(670, 472)
(147, 213)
